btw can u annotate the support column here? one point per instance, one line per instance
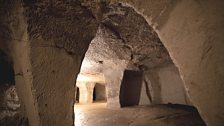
(85, 92)
(113, 75)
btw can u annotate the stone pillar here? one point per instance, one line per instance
(113, 75)
(85, 92)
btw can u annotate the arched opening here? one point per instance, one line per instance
(99, 93)
(137, 70)
(131, 88)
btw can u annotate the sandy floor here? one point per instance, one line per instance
(157, 115)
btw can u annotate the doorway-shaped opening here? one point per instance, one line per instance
(130, 90)
(99, 93)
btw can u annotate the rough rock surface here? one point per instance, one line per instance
(125, 35)
(10, 111)
(63, 22)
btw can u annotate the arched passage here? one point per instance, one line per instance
(191, 35)
(125, 41)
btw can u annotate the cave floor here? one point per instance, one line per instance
(97, 114)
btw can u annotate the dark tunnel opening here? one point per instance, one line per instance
(6, 70)
(130, 90)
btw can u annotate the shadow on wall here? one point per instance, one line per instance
(9, 101)
(6, 81)
(6, 70)
(77, 95)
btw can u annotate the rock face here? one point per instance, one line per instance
(145, 48)
(10, 113)
(52, 36)
(196, 49)
(47, 40)
(158, 87)
(61, 22)
(125, 35)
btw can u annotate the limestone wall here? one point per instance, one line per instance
(172, 87)
(164, 86)
(192, 31)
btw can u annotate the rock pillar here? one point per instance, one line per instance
(85, 92)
